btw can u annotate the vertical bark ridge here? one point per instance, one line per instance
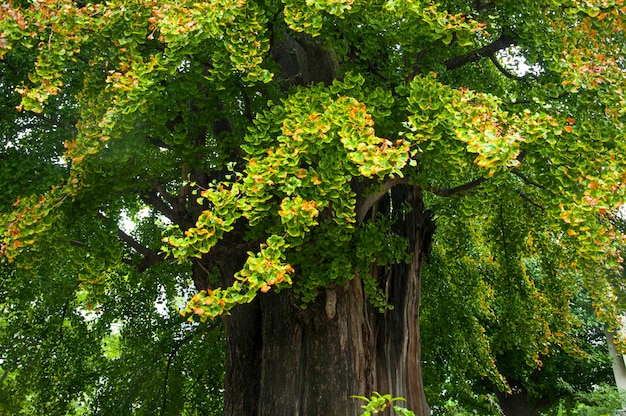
(399, 371)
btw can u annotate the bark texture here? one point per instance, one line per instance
(288, 361)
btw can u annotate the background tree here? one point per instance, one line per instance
(291, 160)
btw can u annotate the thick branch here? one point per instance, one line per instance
(501, 43)
(372, 198)
(157, 202)
(150, 257)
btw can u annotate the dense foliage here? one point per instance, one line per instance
(166, 156)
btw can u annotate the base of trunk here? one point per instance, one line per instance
(288, 361)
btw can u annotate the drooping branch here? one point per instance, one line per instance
(499, 44)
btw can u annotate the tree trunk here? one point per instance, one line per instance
(284, 360)
(516, 403)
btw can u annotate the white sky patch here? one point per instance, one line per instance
(513, 60)
(129, 223)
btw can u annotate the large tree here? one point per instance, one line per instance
(294, 161)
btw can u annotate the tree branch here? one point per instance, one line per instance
(50, 120)
(527, 180)
(504, 71)
(160, 189)
(158, 143)
(478, 5)
(372, 198)
(501, 43)
(63, 313)
(446, 192)
(530, 201)
(531, 101)
(157, 202)
(150, 257)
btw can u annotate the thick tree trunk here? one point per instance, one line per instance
(288, 361)
(284, 360)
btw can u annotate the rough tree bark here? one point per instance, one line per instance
(284, 360)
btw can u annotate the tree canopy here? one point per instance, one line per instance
(203, 157)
